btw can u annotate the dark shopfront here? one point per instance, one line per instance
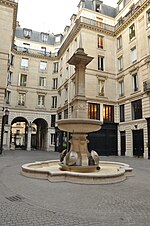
(104, 141)
(148, 131)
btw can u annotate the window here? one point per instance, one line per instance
(12, 60)
(66, 113)
(121, 88)
(98, 7)
(8, 94)
(52, 139)
(119, 42)
(21, 99)
(55, 67)
(148, 44)
(55, 83)
(100, 41)
(42, 81)
(135, 82)
(94, 111)
(54, 101)
(101, 87)
(57, 39)
(148, 17)
(59, 116)
(53, 120)
(67, 55)
(120, 63)
(120, 6)
(131, 32)
(101, 63)
(122, 113)
(23, 80)
(43, 66)
(26, 47)
(9, 77)
(27, 33)
(99, 22)
(44, 37)
(24, 63)
(108, 113)
(136, 109)
(41, 100)
(133, 55)
(43, 50)
(66, 93)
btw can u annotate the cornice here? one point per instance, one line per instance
(133, 17)
(78, 26)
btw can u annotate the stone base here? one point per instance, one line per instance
(81, 169)
(110, 172)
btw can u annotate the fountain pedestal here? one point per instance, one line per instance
(78, 156)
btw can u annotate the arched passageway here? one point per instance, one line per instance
(18, 135)
(29, 135)
(39, 139)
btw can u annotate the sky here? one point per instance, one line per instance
(49, 15)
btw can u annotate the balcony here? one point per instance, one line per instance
(146, 86)
(34, 51)
(132, 10)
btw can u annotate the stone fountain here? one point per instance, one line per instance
(79, 158)
(78, 165)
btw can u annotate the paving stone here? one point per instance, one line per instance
(42, 203)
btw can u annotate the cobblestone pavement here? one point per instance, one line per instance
(25, 201)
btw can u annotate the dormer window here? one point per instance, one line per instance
(73, 18)
(120, 6)
(57, 39)
(98, 7)
(44, 37)
(81, 4)
(27, 33)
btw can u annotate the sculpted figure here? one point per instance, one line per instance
(95, 157)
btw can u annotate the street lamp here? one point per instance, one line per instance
(4, 122)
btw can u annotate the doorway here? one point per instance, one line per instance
(138, 143)
(123, 142)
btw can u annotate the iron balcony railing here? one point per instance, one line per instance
(122, 20)
(146, 85)
(34, 51)
(98, 24)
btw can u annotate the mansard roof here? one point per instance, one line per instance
(36, 36)
(105, 9)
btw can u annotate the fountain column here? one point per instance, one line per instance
(79, 125)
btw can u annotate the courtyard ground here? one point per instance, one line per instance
(25, 201)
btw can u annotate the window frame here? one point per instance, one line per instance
(100, 42)
(94, 111)
(136, 108)
(133, 54)
(21, 99)
(122, 112)
(108, 113)
(101, 64)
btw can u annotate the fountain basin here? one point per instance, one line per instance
(110, 172)
(76, 125)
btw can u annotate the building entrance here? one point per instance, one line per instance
(138, 143)
(123, 142)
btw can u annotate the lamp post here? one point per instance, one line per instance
(4, 122)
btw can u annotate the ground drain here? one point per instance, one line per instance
(15, 198)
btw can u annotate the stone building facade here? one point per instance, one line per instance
(40, 85)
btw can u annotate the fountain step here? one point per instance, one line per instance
(110, 172)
